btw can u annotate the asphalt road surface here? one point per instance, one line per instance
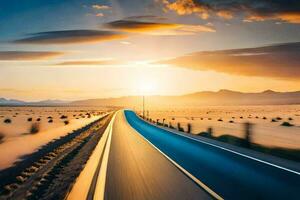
(136, 170)
(136, 167)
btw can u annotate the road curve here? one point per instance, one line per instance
(229, 174)
(136, 170)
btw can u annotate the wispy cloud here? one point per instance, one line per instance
(279, 61)
(252, 10)
(138, 26)
(146, 17)
(157, 28)
(99, 15)
(125, 42)
(101, 7)
(27, 55)
(90, 62)
(71, 37)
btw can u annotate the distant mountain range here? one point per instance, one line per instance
(14, 102)
(222, 97)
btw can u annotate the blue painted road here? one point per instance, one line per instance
(230, 175)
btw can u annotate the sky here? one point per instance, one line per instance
(82, 49)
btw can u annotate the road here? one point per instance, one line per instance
(136, 170)
(138, 160)
(229, 174)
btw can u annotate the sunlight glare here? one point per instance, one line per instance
(146, 88)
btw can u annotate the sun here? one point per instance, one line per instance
(146, 88)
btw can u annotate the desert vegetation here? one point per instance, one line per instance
(267, 120)
(36, 171)
(63, 117)
(286, 124)
(35, 128)
(1, 137)
(7, 121)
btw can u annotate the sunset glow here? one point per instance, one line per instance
(149, 99)
(110, 48)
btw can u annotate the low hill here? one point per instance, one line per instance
(206, 98)
(222, 97)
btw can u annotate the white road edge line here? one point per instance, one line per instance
(197, 181)
(100, 187)
(80, 188)
(246, 156)
(229, 150)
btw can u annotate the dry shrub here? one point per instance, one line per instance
(63, 117)
(1, 137)
(35, 128)
(7, 121)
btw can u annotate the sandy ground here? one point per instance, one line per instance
(50, 172)
(17, 138)
(265, 132)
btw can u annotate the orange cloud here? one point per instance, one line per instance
(71, 37)
(292, 17)
(225, 14)
(145, 17)
(254, 10)
(99, 15)
(101, 7)
(154, 28)
(139, 26)
(187, 7)
(193, 29)
(280, 61)
(91, 62)
(27, 55)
